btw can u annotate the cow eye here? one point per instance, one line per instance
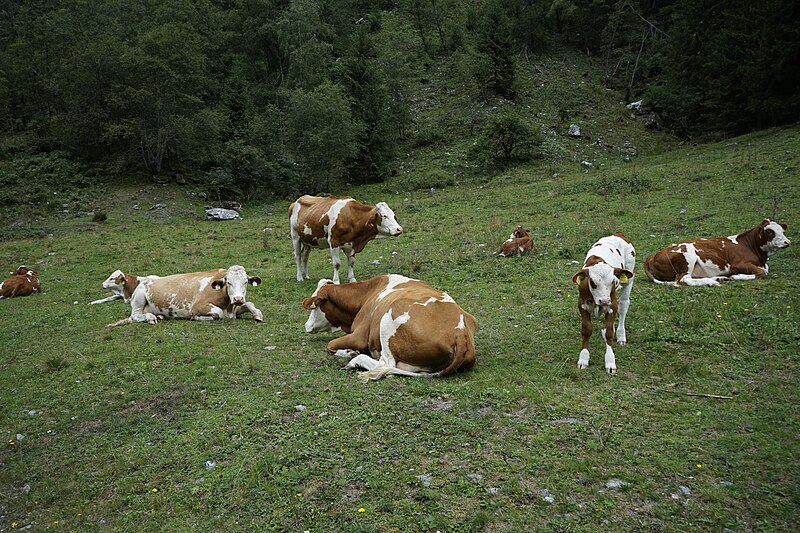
(769, 233)
(593, 284)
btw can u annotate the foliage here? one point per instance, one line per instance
(506, 139)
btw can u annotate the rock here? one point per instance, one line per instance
(26, 488)
(635, 106)
(574, 130)
(586, 164)
(376, 262)
(546, 496)
(210, 464)
(158, 206)
(726, 483)
(685, 490)
(218, 213)
(270, 348)
(615, 483)
(300, 408)
(425, 479)
(569, 419)
(474, 477)
(492, 490)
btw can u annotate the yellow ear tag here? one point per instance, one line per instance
(623, 279)
(313, 306)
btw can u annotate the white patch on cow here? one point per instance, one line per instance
(697, 268)
(389, 327)
(733, 239)
(447, 298)
(204, 283)
(583, 359)
(111, 281)
(389, 225)
(394, 281)
(333, 214)
(307, 229)
(426, 302)
(460, 324)
(778, 241)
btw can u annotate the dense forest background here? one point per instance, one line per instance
(259, 97)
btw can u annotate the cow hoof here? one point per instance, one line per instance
(611, 370)
(622, 342)
(583, 365)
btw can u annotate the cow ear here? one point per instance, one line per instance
(217, 283)
(254, 281)
(374, 219)
(783, 226)
(311, 303)
(580, 276)
(623, 275)
(120, 279)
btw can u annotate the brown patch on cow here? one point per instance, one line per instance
(623, 237)
(592, 260)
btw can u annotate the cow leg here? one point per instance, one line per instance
(611, 364)
(364, 362)
(586, 331)
(351, 261)
(337, 262)
(748, 272)
(304, 253)
(622, 307)
(109, 299)
(252, 309)
(296, 247)
(208, 312)
(699, 282)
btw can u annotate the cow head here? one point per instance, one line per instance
(519, 232)
(771, 237)
(236, 281)
(116, 279)
(22, 270)
(324, 314)
(384, 220)
(601, 279)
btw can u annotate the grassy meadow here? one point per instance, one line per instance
(235, 425)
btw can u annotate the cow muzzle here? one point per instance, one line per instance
(237, 300)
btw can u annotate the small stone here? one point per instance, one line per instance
(682, 211)
(615, 483)
(376, 262)
(210, 464)
(492, 490)
(270, 348)
(546, 496)
(425, 479)
(726, 483)
(20, 437)
(32, 412)
(574, 130)
(26, 488)
(300, 408)
(567, 420)
(685, 490)
(475, 477)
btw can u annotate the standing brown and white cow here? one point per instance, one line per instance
(410, 328)
(209, 295)
(608, 269)
(707, 262)
(337, 223)
(23, 282)
(518, 244)
(122, 286)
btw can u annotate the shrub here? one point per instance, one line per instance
(505, 140)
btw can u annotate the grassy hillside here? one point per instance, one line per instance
(190, 425)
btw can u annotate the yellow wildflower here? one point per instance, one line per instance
(362, 510)
(699, 465)
(154, 490)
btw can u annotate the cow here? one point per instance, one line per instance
(607, 270)
(409, 328)
(518, 244)
(336, 223)
(23, 282)
(122, 286)
(209, 295)
(707, 262)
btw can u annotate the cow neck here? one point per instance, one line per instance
(351, 297)
(749, 239)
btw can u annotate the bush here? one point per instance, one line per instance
(506, 139)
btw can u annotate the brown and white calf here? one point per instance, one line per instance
(337, 224)
(23, 282)
(408, 327)
(121, 285)
(209, 295)
(607, 270)
(707, 262)
(519, 243)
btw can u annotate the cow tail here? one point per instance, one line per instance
(463, 355)
(647, 271)
(120, 322)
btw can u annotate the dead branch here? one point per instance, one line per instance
(714, 396)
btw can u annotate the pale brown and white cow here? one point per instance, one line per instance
(23, 282)
(707, 262)
(121, 285)
(337, 224)
(409, 328)
(209, 295)
(518, 244)
(607, 270)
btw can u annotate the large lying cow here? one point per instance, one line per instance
(336, 223)
(518, 244)
(121, 285)
(608, 269)
(711, 261)
(23, 282)
(214, 294)
(410, 328)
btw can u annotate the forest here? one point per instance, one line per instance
(259, 98)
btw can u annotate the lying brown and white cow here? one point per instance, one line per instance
(608, 269)
(23, 282)
(519, 243)
(209, 295)
(710, 261)
(410, 328)
(121, 285)
(336, 223)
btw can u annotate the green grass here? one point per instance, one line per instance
(117, 413)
